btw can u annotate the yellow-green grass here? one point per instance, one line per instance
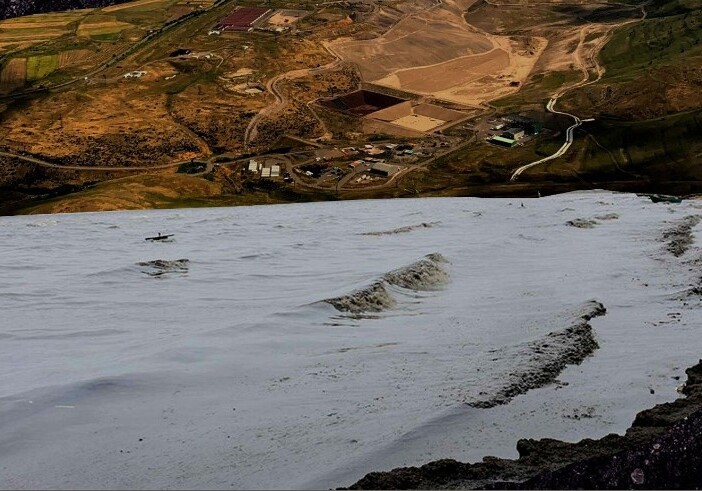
(141, 6)
(102, 28)
(29, 35)
(40, 66)
(34, 29)
(58, 19)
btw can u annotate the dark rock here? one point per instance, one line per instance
(662, 449)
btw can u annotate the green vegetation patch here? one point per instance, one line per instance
(655, 41)
(40, 66)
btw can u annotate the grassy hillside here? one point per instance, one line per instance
(149, 192)
(671, 33)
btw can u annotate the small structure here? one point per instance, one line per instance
(514, 133)
(534, 128)
(385, 170)
(253, 166)
(135, 74)
(265, 172)
(275, 170)
(502, 141)
(180, 52)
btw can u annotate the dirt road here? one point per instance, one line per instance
(280, 100)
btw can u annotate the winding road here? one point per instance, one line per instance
(280, 100)
(564, 148)
(44, 163)
(594, 62)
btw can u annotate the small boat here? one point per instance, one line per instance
(664, 198)
(160, 237)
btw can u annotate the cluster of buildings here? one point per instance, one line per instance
(514, 129)
(268, 169)
(379, 170)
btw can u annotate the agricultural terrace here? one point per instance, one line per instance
(43, 45)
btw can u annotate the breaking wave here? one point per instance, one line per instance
(403, 230)
(374, 298)
(608, 216)
(423, 275)
(679, 237)
(427, 274)
(542, 360)
(160, 267)
(581, 223)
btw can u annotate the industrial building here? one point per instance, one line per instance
(503, 142)
(514, 133)
(385, 170)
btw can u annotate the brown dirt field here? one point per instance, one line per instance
(435, 38)
(85, 29)
(158, 71)
(513, 18)
(370, 126)
(421, 117)
(447, 75)
(14, 74)
(134, 193)
(107, 127)
(287, 17)
(419, 122)
(33, 25)
(438, 112)
(393, 112)
(178, 11)
(129, 5)
(499, 83)
(19, 36)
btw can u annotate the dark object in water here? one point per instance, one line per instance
(160, 237)
(664, 198)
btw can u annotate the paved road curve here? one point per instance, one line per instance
(582, 64)
(561, 151)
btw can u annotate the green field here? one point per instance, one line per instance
(666, 36)
(40, 66)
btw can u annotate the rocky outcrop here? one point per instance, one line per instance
(662, 449)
